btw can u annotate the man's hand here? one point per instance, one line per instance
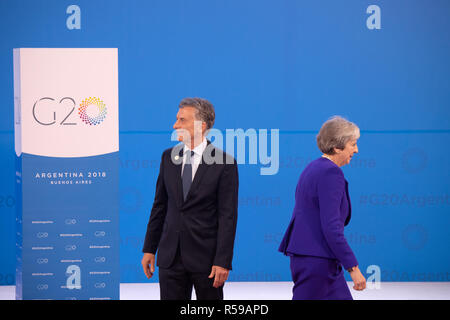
(220, 275)
(358, 279)
(148, 263)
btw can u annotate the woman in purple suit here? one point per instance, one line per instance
(315, 238)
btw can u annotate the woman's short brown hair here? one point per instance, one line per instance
(335, 133)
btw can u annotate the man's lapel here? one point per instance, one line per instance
(202, 168)
(177, 161)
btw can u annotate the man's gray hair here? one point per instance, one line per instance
(335, 133)
(205, 110)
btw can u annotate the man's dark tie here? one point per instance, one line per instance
(187, 174)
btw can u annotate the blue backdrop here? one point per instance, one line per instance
(264, 64)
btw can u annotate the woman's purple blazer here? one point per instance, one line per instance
(322, 209)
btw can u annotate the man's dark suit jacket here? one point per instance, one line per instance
(204, 226)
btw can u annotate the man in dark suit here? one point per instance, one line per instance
(193, 219)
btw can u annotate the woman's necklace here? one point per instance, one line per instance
(325, 156)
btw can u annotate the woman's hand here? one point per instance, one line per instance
(358, 279)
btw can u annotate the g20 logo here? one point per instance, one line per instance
(48, 111)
